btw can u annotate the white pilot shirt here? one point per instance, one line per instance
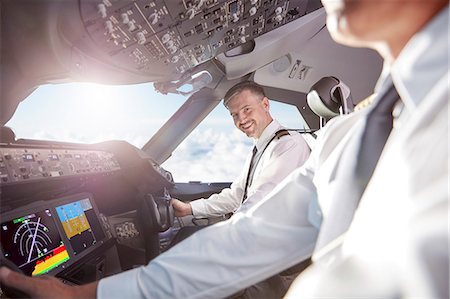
(279, 159)
(274, 234)
(397, 245)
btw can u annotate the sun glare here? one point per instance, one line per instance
(98, 105)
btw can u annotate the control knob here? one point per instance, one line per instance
(109, 27)
(234, 17)
(153, 18)
(172, 50)
(140, 38)
(125, 18)
(191, 13)
(102, 10)
(165, 38)
(131, 26)
(170, 43)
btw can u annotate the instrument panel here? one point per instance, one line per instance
(50, 223)
(27, 164)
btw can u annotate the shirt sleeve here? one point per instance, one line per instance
(229, 256)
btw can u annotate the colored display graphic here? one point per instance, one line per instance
(51, 261)
(75, 219)
(33, 243)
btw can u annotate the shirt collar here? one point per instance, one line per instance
(422, 62)
(267, 134)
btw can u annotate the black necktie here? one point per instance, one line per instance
(250, 173)
(356, 167)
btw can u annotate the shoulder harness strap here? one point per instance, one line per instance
(278, 135)
(281, 133)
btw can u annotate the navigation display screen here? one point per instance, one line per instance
(33, 243)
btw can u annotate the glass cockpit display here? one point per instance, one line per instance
(80, 224)
(33, 243)
(49, 236)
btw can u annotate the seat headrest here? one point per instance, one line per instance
(327, 96)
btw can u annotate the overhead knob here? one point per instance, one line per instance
(172, 50)
(102, 10)
(131, 26)
(125, 18)
(140, 36)
(165, 38)
(153, 18)
(190, 13)
(109, 27)
(241, 30)
(170, 43)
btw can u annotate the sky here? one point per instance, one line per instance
(88, 113)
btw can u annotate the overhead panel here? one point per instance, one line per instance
(175, 36)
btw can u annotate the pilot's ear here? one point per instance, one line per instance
(266, 104)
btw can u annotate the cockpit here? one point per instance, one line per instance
(83, 209)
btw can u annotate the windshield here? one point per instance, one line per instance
(90, 113)
(215, 151)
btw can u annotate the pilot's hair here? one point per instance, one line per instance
(251, 86)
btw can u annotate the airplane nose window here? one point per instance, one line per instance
(90, 113)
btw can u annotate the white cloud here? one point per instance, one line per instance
(85, 137)
(65, 136)
(209, 156)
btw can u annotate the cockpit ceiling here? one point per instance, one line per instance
(175, 36)
(127, 41)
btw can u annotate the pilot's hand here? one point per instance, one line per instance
(181, 208)
(45, 286)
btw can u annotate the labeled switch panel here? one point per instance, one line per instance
(175, 36)
(26, 164)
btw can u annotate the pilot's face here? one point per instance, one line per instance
(385, 25)
(250, 113)
(356, 22)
